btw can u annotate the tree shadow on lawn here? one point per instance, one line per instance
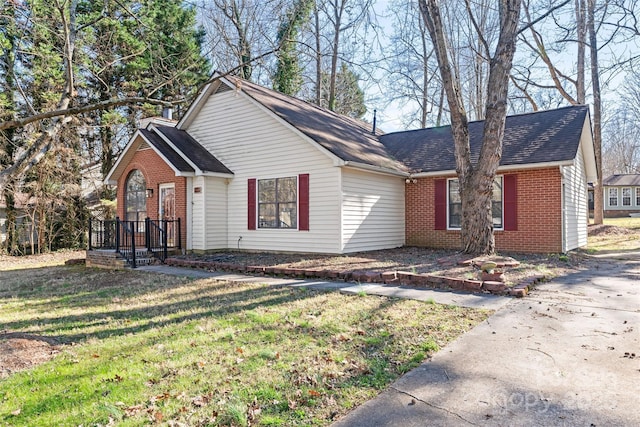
(193, 299)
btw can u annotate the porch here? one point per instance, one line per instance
(117, 244)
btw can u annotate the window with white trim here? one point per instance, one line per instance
(613, 196)
(277, 203)
(637, 196)
(454, 205)
(626, 196)
(135, 197)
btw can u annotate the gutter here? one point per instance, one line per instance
(500, 168)
(372, 168)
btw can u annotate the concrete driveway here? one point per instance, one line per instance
(568, 355)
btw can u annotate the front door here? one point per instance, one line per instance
(167, 211)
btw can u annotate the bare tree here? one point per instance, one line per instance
(476, 179)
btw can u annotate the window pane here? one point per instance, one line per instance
(288, 215)
(638, 196)
(135, 200)
(496, 210)
(613, 197)
(287, 189)
(266, 190)
(455, 204)
(267, 215)
(496, 203)
(626, 197)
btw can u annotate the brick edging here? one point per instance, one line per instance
(390, 277)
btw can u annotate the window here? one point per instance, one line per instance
(626, 197)
(637, 196)
(613, 197)
(135, 197)
(277, 203)
(455, 204)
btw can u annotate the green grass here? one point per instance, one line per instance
(631, 223)
(616, 242)
(143, 348)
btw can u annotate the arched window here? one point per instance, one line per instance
(135, 200)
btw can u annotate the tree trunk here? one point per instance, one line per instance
(318, 56)
(597, 112)
(334, 55)
(476, 180)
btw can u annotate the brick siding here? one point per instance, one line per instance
(156, 172)
(539, 215)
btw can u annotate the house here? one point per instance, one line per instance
(621, 195)
(24, 220)
(249, 168)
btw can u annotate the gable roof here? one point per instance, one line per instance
(166, 151)
(348, 139)
(192, 150)
(178, 149)
(632, 179)
(539, 137)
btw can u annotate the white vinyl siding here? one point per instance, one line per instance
(372, 211)
(575, 203)
(209, 213)
(254, 144)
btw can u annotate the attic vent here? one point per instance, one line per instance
(143, 146)
(223, 88)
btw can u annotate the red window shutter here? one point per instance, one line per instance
(251, 204)
(440, 204)
(510, 202)
(303, 202)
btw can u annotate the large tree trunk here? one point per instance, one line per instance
(598, 196)
(476, 180)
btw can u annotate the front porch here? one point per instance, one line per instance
(118, 244)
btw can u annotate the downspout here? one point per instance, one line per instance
(563, 221)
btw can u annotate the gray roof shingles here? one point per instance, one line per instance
(200, 156)
(169, 153)
(622, 180)
(347, 138)
(540, 137)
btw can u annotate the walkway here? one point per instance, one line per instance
(567, 355)
(485, 301)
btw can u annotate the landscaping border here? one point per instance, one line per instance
(400, 278)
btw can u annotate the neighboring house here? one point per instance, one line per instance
(252, 169)
(23, 204)
(621, 195)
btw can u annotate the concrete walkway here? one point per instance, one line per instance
(567, 355)
(485, 301)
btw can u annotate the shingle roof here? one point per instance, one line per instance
(624, 179)
(539, 137)
(203, 159)
(169, 153)
(347, 138)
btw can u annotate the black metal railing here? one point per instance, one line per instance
(124, 237)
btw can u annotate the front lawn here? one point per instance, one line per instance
(617, 235)
(139, 348)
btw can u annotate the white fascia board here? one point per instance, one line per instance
(217, 174)
(588, 152)
(180, 153)
(176, 171)
(197, 170)
(376, 169)
(336, 160)
(109, 178)
(506, 168)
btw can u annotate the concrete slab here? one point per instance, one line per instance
(485, 301)
(567, 355)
